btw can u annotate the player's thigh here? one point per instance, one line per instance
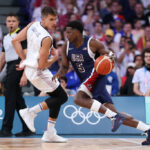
(41, 79)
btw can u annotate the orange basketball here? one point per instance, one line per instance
(103, 65)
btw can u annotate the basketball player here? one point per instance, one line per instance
(81, 51)
(36, 62)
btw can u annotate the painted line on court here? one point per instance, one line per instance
(130, 141)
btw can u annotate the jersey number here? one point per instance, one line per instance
(80, 67)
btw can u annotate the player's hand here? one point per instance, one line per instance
(55, 77)
(20, 66)
(112, 56)
(23, 81)
(54, 52)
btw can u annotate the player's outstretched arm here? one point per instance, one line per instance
(97, 46)
(65, 64)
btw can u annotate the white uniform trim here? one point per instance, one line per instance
(85, 89)
(91, 54)
(67, 48)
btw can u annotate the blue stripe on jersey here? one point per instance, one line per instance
(81, 60)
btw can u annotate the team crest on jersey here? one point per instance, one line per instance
(77, 57)
(89, 87)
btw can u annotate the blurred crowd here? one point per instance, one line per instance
(123, 26)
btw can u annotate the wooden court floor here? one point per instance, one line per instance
(73, 144)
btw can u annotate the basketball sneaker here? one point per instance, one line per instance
(147, 141)
(28, 118)
(52, 137)
(117, 121)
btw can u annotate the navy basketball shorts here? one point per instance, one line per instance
(95, 87)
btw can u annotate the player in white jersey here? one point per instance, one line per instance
(35, 63)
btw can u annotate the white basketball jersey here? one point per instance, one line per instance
(35, 34)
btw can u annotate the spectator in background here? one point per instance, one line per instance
(107, 10)
(122, 42)
(141, 78)
(145, 3)
(148, 15)
(62, 6)
(112, 83)
(115, 13)
(143, 40)
(118, 30)
(125, 56)
(88, 18)
(139, 14)
(64, 19)
(138, 60)
(38, 5)
(73, 79)
(138, 31)
(129, 71)
(109, 43)
(127, 28)
(148, 44)
(58, 36)
(98, 31)
(128, 9)
(63, 81)
(127, 87)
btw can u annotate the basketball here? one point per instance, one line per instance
(103, 65)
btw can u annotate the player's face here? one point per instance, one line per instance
(12, 23)
(50, 22)
(70, 34)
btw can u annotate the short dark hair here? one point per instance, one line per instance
(63, 78)
(76, 25)
(100, 22)
(146, 50)
(13, 15)
(135, 57)
(48, 11)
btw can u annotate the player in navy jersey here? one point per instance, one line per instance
(81, 51)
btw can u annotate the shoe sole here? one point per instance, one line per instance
(54, 141)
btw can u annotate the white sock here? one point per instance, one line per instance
(36, 109)
(51, 125)
(142, 126)
(110, 113)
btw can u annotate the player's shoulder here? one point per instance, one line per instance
(94, 40)
(140, 70)
(31, 23)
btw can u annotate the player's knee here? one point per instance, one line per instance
(77, 100)
(63, 97)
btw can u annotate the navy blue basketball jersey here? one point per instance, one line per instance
(82, 59)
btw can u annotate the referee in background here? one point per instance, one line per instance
(13, 81)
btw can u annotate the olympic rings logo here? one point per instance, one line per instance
(1, 112)
(83, 117)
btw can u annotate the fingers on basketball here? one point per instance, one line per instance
(103, 65)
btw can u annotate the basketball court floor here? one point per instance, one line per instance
(74, 143)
